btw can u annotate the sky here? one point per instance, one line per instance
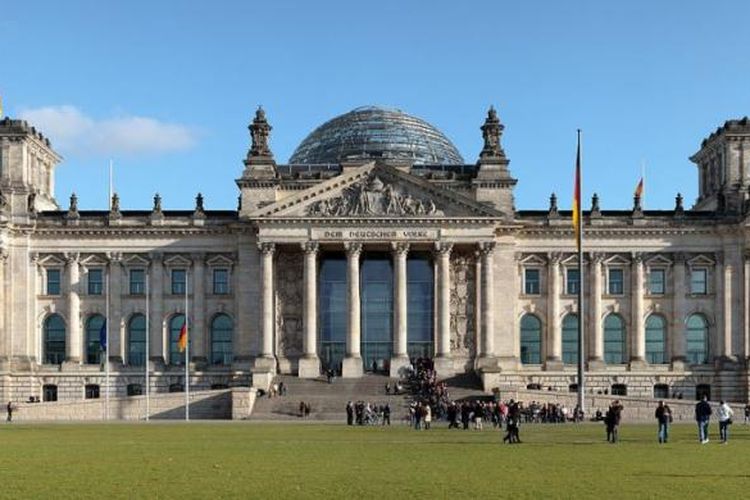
(166, 89)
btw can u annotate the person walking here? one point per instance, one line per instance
(9, 409)
(702, 416)
(427, 416)
(663, 416)
(747, 413)
(724, 414)
(387, 414)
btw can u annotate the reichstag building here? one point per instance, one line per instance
(376, 243)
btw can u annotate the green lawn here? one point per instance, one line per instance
(241, 460)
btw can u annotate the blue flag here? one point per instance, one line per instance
(103, 336)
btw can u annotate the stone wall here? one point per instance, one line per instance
(204, 405)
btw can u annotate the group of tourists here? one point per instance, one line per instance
(724, 414)
(365, 413)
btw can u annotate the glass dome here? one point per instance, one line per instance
(376, 132)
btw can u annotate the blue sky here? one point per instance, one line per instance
(167, 89)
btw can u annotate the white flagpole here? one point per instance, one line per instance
(107, 326)
(148, 334)
(110, 183)
(187, 353)
(643, 176)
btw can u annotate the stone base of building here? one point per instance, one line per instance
(596, 365)
(262, 378)
(398, 365)
(308, 367)
(351, 367)
(444, 367)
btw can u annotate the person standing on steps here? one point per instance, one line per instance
(702, 416)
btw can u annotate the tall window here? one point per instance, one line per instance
(137, 340)
(531, 281)
(221, 281)
(614, 339)
(699, 281)
(376, 288)
(332, 310)
(178, 281)
(697, 339)
(93, 331)
(615, 284)
(656, 339)
(221, 340)
(570, 339)
(53, 282)
(531, 340)
(137, 282)
(96, 281)
(420, 294)
(656, 282)
(175, 325)
(572, 281)
(54, 340)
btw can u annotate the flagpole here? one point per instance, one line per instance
(579, 242)
(148, 334)
(187, 353)
(106, 348)
(643, 177)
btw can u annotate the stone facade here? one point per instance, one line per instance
(667, 291)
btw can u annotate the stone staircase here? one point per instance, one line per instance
(328, 401)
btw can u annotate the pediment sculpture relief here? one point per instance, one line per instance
(373, 197)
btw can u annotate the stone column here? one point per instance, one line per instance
(443, 361)
(554, 347)
(266, 360)
(724, 297)
(596, 355)
(400, 356)
(487, 254)
(746, 308)
(638, 351)
(156, 320)
(115, 308)
(74, 343)
(6, 350)
(309, 364)
(352, 364)
(677, 332)
(245, 279)
(199, 347)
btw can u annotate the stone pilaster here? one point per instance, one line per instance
(201, 340)
(352, 364)
(309, 363)
(247, 302)
(443, 361)
(638, 350)
(266, 361)
(156, 321)
(5, 344)
(596, 354)
(746, 308)
(725, 303)
(74, 343)
(400, 357)
(115, 326)
(554, 346)
(487, 346)
(677, 331)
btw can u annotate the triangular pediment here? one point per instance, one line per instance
(136, 260)
(701, 260)
(177, 261)
(376, 191)
(219, 261)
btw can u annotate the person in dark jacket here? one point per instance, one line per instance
(702, 416)
(663, 416)
(612, 421)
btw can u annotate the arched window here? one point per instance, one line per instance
(531, 340)
(221, 340)
(175, 325)
(656, 339)
(697, 339)
(137, 340)
(570, 339)
(54, 340)
(93, 331)
(614, 340)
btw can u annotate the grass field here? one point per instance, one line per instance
(239, 460)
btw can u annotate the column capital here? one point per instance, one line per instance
(198, 257)
(399, 248)
(4, 254)
(554, 258)
(443, 247)
(353, 249)
(486, 247)
(637, 257)
(114, 257)
(596, 258)
(266, 248)
(72, 257)
(310, 247)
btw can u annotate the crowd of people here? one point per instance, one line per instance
(365, 413)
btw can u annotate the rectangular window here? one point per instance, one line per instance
(531, 282)
(572, 281)
(221, 281)
(53, 282)
(698, 281)
(656, 282)
(96, 281)
(137, 282)
(615, 282)
(92, 391)
(178, 281)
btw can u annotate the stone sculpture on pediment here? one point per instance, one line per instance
(289, 279)
(371, 196)
(462, 303)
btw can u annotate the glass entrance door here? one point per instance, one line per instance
(332, 312)
(376, 290)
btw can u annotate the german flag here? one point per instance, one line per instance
(577, 195)
(182, 339)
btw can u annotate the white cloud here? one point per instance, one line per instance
(72, 131)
